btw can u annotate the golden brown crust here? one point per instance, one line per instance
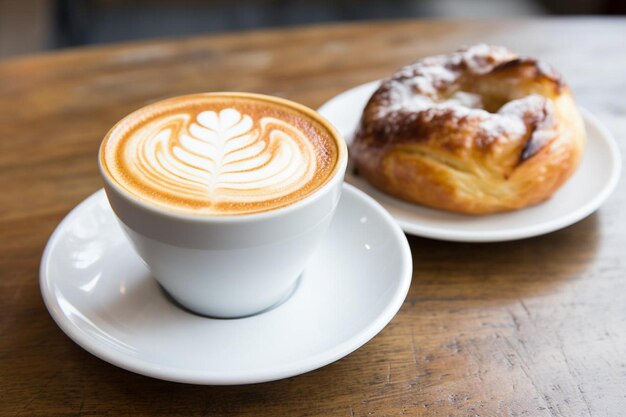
(478, 131)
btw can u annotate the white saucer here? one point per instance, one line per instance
(101, 295)
(590, 186)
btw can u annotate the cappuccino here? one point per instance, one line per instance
(220, 154)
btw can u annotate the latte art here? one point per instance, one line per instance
(216, 156)
(223, 157)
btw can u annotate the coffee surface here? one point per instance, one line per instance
(219, 154)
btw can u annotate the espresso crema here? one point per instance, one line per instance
(220, 154)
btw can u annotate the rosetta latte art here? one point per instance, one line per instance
(222, 157)
(220, 154)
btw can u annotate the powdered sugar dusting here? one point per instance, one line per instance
(482, 58)
(427, 89)
(420, 85)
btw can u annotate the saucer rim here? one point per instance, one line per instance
(421, 228)
(298, 367)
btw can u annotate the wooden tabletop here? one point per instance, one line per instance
(535, 327)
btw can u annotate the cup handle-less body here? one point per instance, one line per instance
(230, 282)
(228, 266)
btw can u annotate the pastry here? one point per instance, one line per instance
(481, 130)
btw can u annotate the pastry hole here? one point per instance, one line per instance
(493, 103)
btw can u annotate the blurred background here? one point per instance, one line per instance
(30, 26)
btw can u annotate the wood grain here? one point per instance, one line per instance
(535, 327)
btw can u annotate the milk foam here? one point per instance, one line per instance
(218, 161)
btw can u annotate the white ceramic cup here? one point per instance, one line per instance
(230, 266)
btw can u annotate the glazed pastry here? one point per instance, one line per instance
(478, 131)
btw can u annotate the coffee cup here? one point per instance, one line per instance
(225, 196)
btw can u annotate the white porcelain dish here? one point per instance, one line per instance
(101, 295)
(590, 186)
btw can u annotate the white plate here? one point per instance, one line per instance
(101, 295)
(590, 186)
